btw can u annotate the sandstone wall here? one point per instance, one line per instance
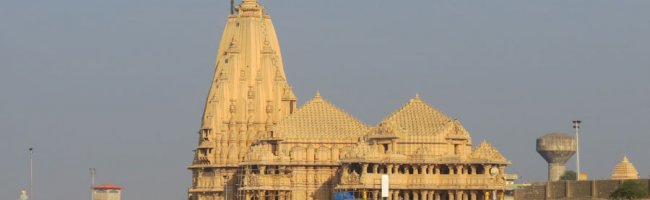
(577, 190)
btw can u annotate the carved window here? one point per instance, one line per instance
(205, 134)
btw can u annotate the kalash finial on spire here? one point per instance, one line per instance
(317, 96)
(248, 8)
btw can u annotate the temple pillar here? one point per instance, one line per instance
(396, 195)
(375, 168)
(424, 194)
(262, 169)
(451, 195)
(407, 195)
(389, 168)
(391, 195)
(436, 195)
(472, 195)
(247, 195)
(486, 195)
(437, 169)
(260, 194)
(364, 169)
(502, 195)
(375, 194)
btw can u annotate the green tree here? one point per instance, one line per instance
(629, 190)
(568, 176)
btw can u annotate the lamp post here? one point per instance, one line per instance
(576, 126)
(31, 171)
(92, 183)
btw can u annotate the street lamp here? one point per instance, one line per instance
(576, 126)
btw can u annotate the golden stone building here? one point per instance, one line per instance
(625, 170)
(255, 144)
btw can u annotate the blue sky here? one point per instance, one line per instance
(119, 85)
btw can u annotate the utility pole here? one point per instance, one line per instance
(31, 171)
(576, 126)
(92, 183)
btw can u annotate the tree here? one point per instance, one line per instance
(568, 176)
(629, 190)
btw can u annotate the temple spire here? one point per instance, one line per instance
(249, 92)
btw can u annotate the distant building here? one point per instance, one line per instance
(107, 192)
(625, 170)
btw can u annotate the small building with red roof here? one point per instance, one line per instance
(107, 192)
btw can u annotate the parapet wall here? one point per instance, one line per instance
(579, 190)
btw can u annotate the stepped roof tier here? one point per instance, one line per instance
(625, 170)
(319, 120)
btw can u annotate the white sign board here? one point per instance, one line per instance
(384, 185)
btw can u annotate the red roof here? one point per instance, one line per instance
(108, 187)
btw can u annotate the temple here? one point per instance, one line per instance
(254, 144)
(625, 170)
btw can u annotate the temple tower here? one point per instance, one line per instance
(556, 148)
(249, 94)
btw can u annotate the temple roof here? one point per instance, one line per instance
(418, 117)
(485, 151)
(625, 170)
(319, 119)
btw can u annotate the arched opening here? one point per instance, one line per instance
(402, 169)
(355, 168)
(480, 170)
(444, 169)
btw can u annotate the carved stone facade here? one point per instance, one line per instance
(255, 144)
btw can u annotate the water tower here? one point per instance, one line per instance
(556, 148)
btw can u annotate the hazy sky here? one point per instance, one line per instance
(119, 85)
